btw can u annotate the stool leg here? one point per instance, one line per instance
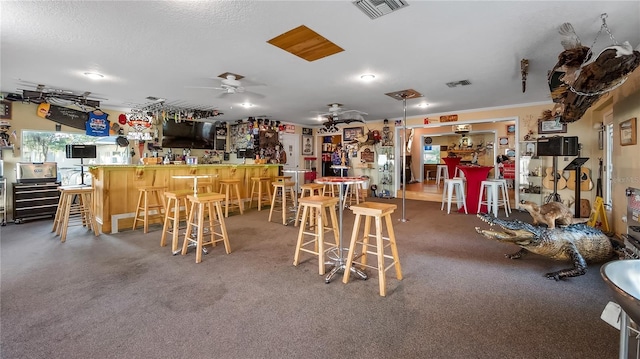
(223, 227)
(253, 186)
(273, 202)
(239, 199)
(284, 205)
(464, 198)
(187, 233)
(352, 246)
(228, 200)
(365, 241)
(92, 219)
(380, 251)
(211, 223)
(321, 220)
(480, 198)
(394, 248)
(449, 195)
(305, 214)
(334, 225)
(165, 226)
(135, 218)
(65, 220)
(56, 219)
(200, 232)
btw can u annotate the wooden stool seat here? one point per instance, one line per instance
(75, 207)
(279, 197)
(263, 188)
(172, 216)
(206, 205)
(378, 212)
(315, 223)
(231, 188)
(205, 186)
(281, 178)
(144, 206)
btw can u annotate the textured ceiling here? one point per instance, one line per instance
(165, 49)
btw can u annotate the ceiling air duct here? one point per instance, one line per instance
(461, 128)
(376, 8)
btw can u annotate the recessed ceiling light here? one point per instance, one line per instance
(423, 105)
(367, 77)
(246, 104)
(93, 75)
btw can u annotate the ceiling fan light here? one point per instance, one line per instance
(246, 104)
(94, 75)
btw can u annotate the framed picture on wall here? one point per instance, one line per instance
(628, 132)
(511, 129)
(307, 145)
(552, 126)
(351, 133)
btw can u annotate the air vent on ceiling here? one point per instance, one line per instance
(461, 128)
(376, 8)
(459, 83)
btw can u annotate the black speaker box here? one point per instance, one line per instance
(81, 151)
(558, 146)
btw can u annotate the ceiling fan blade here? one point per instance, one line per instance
(204, 87)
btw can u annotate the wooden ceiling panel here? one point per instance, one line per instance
(305, 43)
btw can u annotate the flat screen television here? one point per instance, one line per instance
(188, 134)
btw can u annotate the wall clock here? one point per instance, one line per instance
(428, 140)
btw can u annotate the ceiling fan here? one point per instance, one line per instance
(337, 115)
(43, 93)
(230, 84)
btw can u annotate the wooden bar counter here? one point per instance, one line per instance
(116, 186)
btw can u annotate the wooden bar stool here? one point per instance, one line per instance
(330, 190)
(312, 189)
(378, 211)
(172, 216)
(315, 223)
(231, 188)
(149, 198)
(352, 190)
(279, 197)
(261, 192)
(76, 208)
(206, 205)
(205, 186)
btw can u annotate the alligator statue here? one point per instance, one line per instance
(577, 243)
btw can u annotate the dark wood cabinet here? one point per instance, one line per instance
(34, 200)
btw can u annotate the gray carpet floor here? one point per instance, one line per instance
(124, 296)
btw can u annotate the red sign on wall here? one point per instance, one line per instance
(289, 129)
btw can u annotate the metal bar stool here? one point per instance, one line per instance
(315, 223)
(172, 217)
(491, 197)
(205, 205)
(442, 172)
(456, 185)
(379, 212)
